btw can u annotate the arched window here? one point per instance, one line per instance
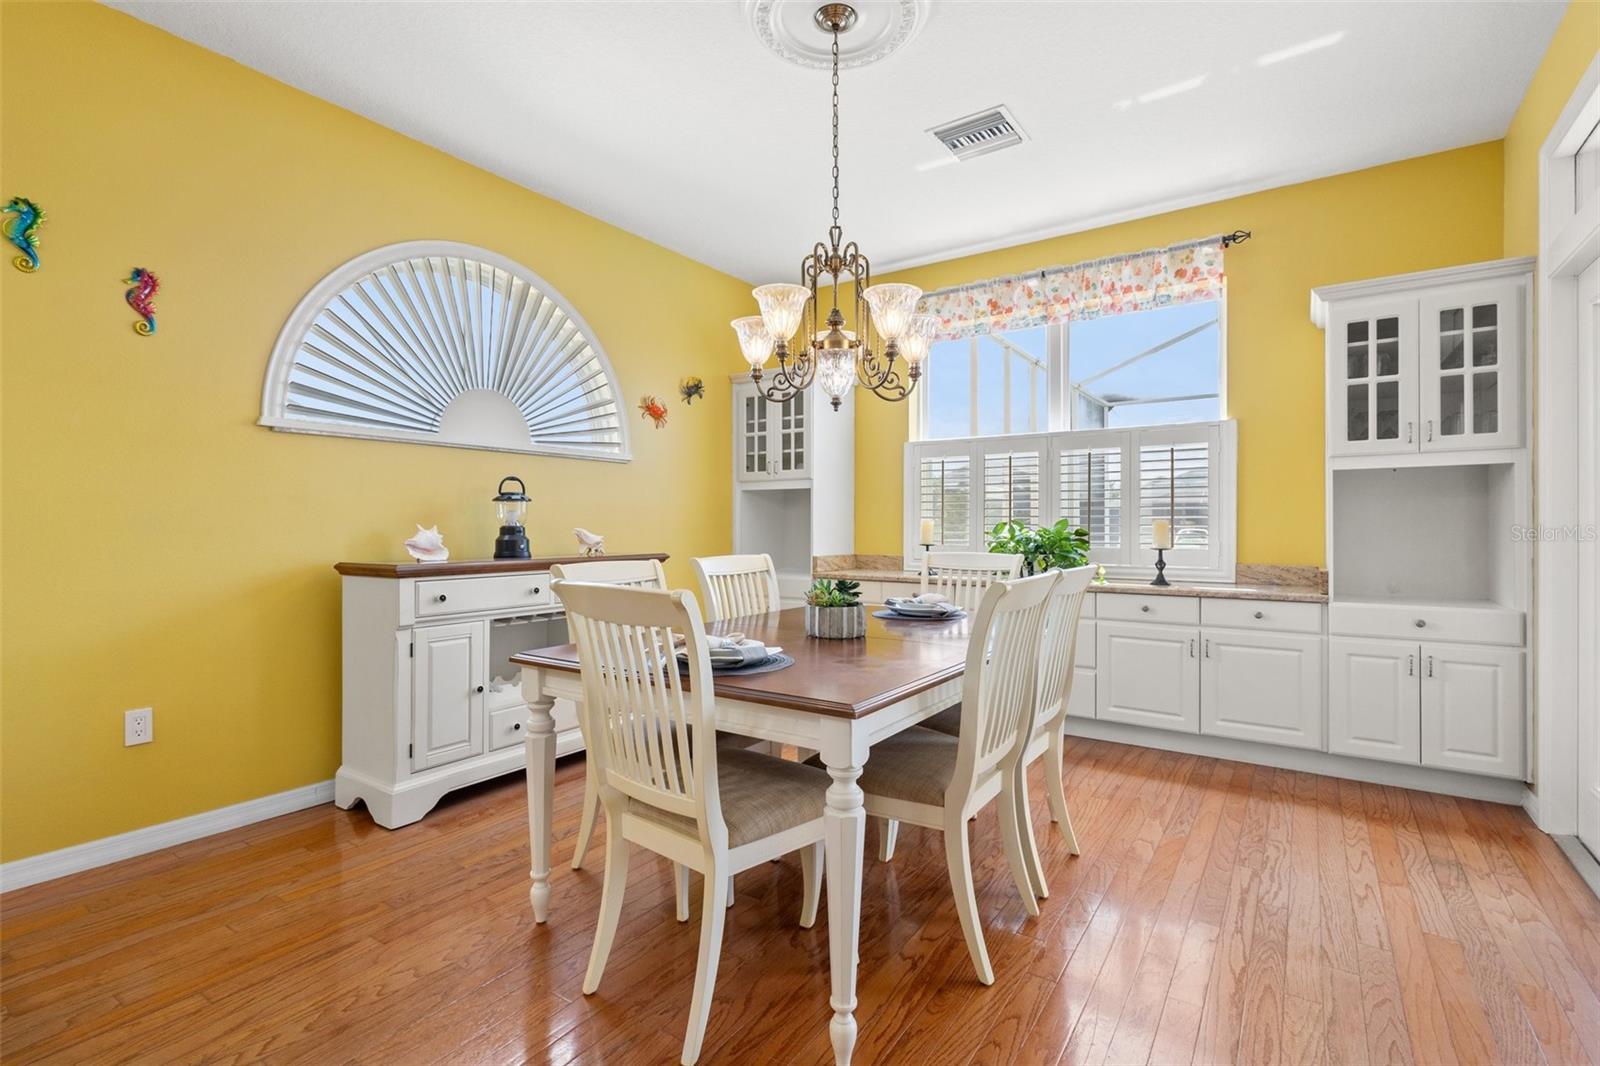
(436, 342)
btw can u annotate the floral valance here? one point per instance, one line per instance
(1183, 273)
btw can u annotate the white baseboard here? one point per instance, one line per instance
(53, 864)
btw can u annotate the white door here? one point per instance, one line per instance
(1472, 709)
(447, 680)
(1372, 379)
(1148, 675)
(1471, 355)
(1262, 686)
(752, 437)
(1589, 558)
(1374, 699)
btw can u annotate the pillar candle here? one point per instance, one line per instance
(1160, 533)
(926, 531)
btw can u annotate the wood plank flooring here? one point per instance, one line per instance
(1219, 913)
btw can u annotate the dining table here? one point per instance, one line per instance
(838, 699)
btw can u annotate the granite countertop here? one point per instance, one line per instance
(1295, 584)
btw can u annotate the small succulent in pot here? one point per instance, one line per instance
(834, 610)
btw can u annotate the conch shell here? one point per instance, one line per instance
(589, 543)
(427, 546)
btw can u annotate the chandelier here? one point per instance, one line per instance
(836, 358)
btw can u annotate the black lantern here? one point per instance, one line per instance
(512, 543)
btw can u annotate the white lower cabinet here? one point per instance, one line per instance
(1148, 675)
(1472, 709)
(1374, 700)
(448, 668)
(1261, 686)
(1080, 701)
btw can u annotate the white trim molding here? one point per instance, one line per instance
(1492, 270)
(19, 873)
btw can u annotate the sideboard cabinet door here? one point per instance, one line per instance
(447, 681)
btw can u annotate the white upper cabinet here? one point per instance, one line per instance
(1426, 363)
(772, 441)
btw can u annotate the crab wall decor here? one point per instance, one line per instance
(652, 408)
(691, 389)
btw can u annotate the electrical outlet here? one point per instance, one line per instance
(138, 726)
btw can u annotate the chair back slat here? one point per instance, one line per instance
(963, 577)
(1001, 675)
(735, 586)
(1058, 644)
(632, 573)
(651, 739)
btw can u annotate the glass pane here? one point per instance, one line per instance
(1485, 348)
(1121, 376)
(1388, 328)
(991, 398)
(1356, 362)
(1356, 331)
(1450, 351)
(1388, 358)
(1452, 418)
(1485, 402)
(1483, 315)
(1388, 410)
(1356, 413)
(949, 385)
(1450, 318)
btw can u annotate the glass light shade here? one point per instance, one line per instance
(836, 371)
(781, 308)
(913, 344)
(892, 307)
(510, 512)
(754, 340)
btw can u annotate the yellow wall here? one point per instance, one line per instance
(1571, 51)
(160, 549)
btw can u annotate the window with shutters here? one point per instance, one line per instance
(1112, 482)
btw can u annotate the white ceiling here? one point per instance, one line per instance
(671, 120)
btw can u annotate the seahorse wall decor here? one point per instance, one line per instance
(145, 286)
(23, 231)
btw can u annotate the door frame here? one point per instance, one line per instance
(1568, 242)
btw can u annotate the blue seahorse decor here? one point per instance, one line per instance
(23, 231)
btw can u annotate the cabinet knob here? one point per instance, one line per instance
(516, 727)
(442, 597)
(1421, 623)
(1260, 615)
(480, 688)
(1145, 607)
(535, 591)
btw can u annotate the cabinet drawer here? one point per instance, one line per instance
(1084, 654)
(1467, 623)
(1129, 607)
(507, 727)
(1262, 614)
(471, 595)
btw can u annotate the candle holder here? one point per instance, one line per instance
(1161, 565)
(926, 548)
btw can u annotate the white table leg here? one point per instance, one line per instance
(845, 822)
(541, 753)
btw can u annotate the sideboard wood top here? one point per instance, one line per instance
(457, 568)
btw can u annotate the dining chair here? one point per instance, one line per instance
(963, 576)
(737, 585)
(665, 784)
(1058, 652)
(939, 781)
(629, 573)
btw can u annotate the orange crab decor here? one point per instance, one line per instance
(652, 408)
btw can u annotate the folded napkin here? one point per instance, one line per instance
(735, 650)
(928, 604)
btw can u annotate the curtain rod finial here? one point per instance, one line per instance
(1238, 236)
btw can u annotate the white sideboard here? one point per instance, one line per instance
(430, 702)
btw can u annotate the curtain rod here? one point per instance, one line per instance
(1238, 236)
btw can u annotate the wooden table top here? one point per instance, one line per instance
(843, 678)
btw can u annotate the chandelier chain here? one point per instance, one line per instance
(835, 231)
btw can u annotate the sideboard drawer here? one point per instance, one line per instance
(1131, 607)
(507, 727)
(1263, 614)
(468, 595)
(1466, 623)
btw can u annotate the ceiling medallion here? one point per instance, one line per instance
(879, 28)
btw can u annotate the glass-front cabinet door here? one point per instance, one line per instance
(1372, 380)
(1471, 343)
(792, 430)
(752, 432)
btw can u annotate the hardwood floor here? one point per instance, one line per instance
(1219, 913)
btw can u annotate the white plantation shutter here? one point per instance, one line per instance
(1010, 488)
(944, 494)
(1175, 483)
(1090, 482)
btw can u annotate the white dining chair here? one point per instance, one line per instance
(737, 585)
(964, 576)
(1058, 652)
(665, 784)
(627, 573)
(938, 781)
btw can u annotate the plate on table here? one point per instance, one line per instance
(775, 660)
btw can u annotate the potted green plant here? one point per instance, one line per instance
(834, 610)
(1061, 546)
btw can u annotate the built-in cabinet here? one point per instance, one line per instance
(772, 438)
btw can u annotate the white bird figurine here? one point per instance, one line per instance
(427, 546)
(589, 543)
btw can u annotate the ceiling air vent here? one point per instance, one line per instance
(980, 134)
